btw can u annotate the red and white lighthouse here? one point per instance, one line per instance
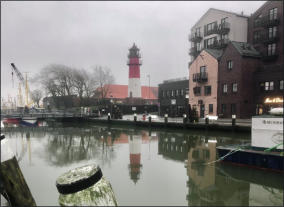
(134, 85)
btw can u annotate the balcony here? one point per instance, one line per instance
(272, 57)
(200, 77)
(268, 40)
(224, 28)
(195, 37)
(214, 30)
(219, 44)
(194, 51)
(267, 22)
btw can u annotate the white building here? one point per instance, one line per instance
(214, 30)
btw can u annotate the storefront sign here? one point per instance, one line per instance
(273, 100)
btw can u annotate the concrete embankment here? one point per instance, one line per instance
(172, 125)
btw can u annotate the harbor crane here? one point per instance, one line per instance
(24, 82)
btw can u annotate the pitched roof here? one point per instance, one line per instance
(121, 91)
(218, 10)
(215, 53)
(245, 49)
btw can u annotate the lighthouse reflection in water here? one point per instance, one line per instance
(144, 167)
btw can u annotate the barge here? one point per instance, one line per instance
(266, 148)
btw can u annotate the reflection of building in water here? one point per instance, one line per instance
(135, 142)
(207, 186)
(173, 146)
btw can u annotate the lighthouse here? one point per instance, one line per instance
(134, 86)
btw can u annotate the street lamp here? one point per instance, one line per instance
(149, 87)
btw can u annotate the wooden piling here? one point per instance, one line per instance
(14, 184)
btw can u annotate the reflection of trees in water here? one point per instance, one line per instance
(70, 145)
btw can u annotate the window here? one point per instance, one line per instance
(181, 92)
(177, 92)
(261, 86)
(163, 94)
(230, 64)
(233, 109)
(209, 42)
(281, 84)
(257, 21)
(168, 93)
(273, 14)
(271, 49)
(272, 32)
(172, 92)
(256, 36)
(196, 91)
(203, 69)
(234, 87)
(269, 86)
(207, 90)
(225, 88)
(197, 31)
(210, 27)
(223, 108)
(210, 108)
(198, 46)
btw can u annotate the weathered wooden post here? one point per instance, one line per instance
(85, 186)
(233, 120)
(15, 188)
(135, 117)
(150, 119)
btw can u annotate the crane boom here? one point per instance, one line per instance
(18, 73)
(23, 81)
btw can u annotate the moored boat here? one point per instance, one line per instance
(11, 121)
(266, 148)
(29, 121)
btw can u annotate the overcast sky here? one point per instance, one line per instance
(85, 34)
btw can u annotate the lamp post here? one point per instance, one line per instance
(149, 87)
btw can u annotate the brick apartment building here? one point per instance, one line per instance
(215, 29)
(265, 33)
(235, 80)
(203, 76)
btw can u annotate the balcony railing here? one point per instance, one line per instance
(200, 77)
(267, 40)
(270, 57)
(194, 51)
(195, 37)
(214, 30)
(224, 28)
(219, 44)
(266, 21)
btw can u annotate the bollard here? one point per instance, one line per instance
(85, 186)
(233, 120)
(206, 120)
(166, 118)
(108, 116)
(150, 119)
(135, 117)
(184, 118)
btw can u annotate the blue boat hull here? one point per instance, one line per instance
(28, 123)
(253, 158)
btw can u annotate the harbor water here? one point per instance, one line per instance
(144, 166)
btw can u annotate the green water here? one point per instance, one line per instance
(144, 167)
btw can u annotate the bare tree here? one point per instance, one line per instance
(36, 96)
(103, 77)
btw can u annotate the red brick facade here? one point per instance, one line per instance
(241, 74)
(272, 68)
